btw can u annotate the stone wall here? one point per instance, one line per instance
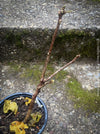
(33, 44)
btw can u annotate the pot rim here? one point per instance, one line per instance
(15, 95)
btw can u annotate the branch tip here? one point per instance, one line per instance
(77, 56)
(62, 12)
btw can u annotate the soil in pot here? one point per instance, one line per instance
(6, 119)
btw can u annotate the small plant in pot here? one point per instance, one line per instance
(25, 113)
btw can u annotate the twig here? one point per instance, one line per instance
(8, 115)
(77, 56)
(60, 14)
(2, 126)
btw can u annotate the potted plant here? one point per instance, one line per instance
(14, 107)
(20, 98)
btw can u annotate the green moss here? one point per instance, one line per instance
(14, 38)
(61, 75)
(18, 40)
(15, 67)
(89, 49)
(9, 37)
(73, 42)
(33, 72)
(68, 43)
(72, 33)
(87, 100)
(83, 98)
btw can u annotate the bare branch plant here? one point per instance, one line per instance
(44, 81)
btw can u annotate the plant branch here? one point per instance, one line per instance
(77, 56)
(60, 14)
(46, 81)
(42, 83)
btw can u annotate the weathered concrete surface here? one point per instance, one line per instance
(63, 118)
(33, 44)
(26, 28)
(43, 14)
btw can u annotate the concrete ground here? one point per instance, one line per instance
(81, 14)
(63, 118)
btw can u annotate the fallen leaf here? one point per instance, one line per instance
(28, 101)
(9, 105)
(18, 127)
(35, 118)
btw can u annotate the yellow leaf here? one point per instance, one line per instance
(35, 118)
(9, 105)
(28, 101)
(18, 127)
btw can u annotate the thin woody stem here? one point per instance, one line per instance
(42, 83)
(77, 56)
(46, 81)
(32, 102)
(60, 14)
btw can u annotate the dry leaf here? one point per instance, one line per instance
(35, 118)
(9, 105)
(28, 101)
(18, 127)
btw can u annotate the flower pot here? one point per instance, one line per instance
(39, 102)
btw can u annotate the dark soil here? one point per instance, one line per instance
(6, 119)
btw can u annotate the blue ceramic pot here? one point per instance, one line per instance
(39, 101)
